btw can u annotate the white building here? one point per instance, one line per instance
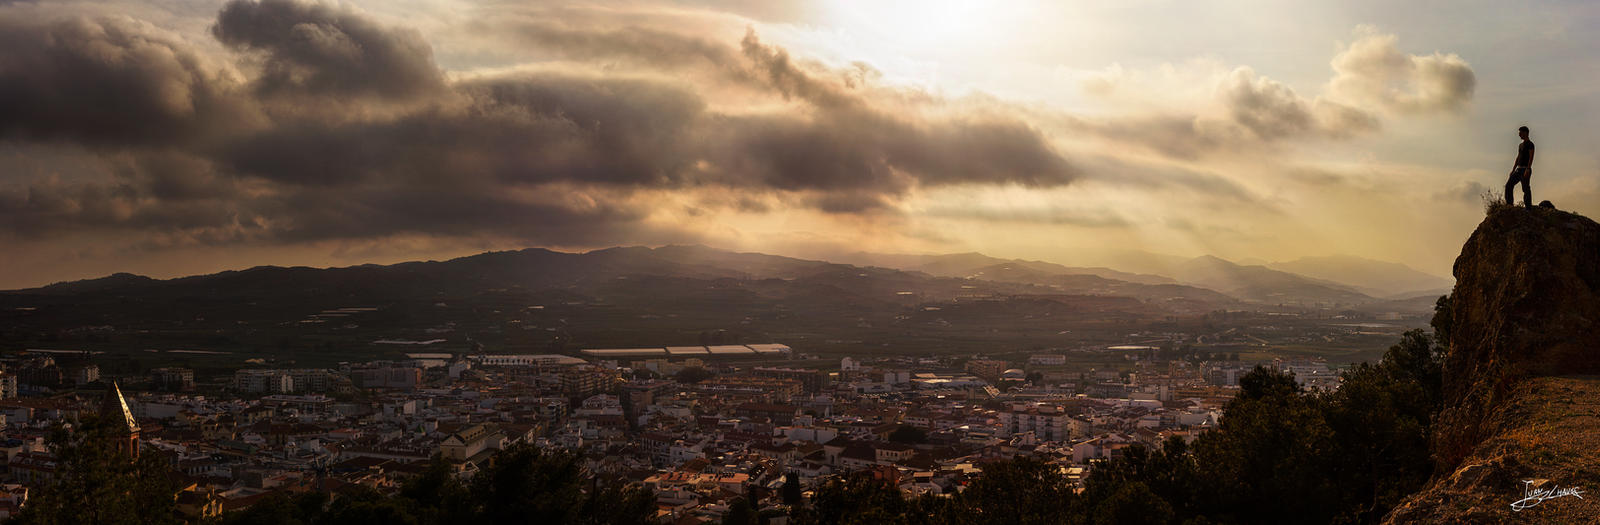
(263, 381)
(1047, 359)
(472, 441)
(279, 381)
(540, 360)
(1048, 422)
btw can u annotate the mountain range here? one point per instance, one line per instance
(539, 301)
(1311, 281)
(1375, 278)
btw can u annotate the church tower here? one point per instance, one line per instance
(124, 430)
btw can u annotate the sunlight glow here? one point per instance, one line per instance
(929, 25)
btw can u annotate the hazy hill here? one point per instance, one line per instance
(750, 265)
(533, 268)
(1416, 303)
(1138, 261)
(116, 280)
(1096, 285)
(1259, 283)
(1256, 283)
(539, 300)
(969, 264)
(1375, 278)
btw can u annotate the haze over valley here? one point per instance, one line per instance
(543, 301)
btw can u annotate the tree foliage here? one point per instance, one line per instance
(693, 374)
(96, 484)
(1023, 491)
(857, 499)
(741, 512)
(908, 434)
(792, 491)
(524, 484)
(1282, 454)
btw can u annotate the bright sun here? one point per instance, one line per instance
(928, 24)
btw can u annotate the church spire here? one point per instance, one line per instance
(115, 409)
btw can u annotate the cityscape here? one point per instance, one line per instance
(702, 427)
(695, 424)
(798, 262)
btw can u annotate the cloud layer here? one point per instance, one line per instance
(286, 123)
(342, 127)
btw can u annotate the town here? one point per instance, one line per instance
(699, 426)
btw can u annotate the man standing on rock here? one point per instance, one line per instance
(1521, 170)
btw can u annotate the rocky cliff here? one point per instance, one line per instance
(1519, 403)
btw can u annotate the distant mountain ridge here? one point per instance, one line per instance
(1255, 283)
(1262, 284)
(966, 264)
(542, 269)
(1024, 272)
(1205, 279)
(1375, 278)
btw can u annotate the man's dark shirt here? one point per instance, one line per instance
(1524, 155)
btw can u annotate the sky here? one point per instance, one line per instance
(176, 137)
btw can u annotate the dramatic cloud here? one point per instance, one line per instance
(109, 81)
(287, 124)
(1267, 108)
(1373, 71)
(326, 50)
(525, 129)
(149, 195)
(462, 157)
(1272, 110)
(1371, 77)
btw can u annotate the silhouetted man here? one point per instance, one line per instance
(1521, 170)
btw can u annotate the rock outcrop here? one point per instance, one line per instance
(1523, 332)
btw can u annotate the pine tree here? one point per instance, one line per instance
(98, 484)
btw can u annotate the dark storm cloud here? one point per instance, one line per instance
(992, 151)
(872, 152)
(174, 177)
(174, 201)
(852, 142)
(112, 81)
(45, 209)
(524, 129)
(557, 127)
(451, 211)
(192, 156)
(852, 137)
(326, 50)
